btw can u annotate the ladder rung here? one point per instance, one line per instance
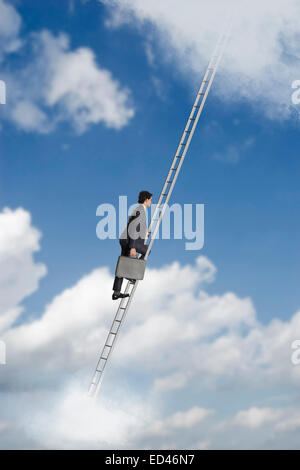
(104, 358)
(201, 94)
(192, 119)
(183, 146)
(187, 132)
(178, 156)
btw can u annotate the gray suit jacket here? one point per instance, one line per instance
(136, 230)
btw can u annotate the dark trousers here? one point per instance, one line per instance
(125, 250)
(118, 280)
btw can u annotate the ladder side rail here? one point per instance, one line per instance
(187, 144)
(119, 319)
(184, 142)
(216, 54)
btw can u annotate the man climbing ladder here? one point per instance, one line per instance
(164, 197)
(133, 237)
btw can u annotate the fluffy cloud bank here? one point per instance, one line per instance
(262, 57)
(182, 346)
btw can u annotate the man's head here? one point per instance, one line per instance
(145, 198)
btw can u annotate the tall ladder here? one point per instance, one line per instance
(162, 204)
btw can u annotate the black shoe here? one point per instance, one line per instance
(118, 295)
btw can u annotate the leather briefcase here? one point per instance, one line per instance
(130, 268)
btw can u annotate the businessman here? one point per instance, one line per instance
(132, 239)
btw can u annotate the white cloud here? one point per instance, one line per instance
(171, 382)
(59, 84)
(19, 273)
(203, 445)
(256, 417)
(72, 420)
(181, 420)
(260, 62)
(290, 421)
(29, 117)
(181, 342)
(3, 427)
(195, 333)
(234, 152)
(85, 93)
(10, 24)
(76, 421)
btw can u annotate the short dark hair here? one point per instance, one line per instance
(143, 196)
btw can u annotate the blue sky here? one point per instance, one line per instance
(243, 163)
(251, 206)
